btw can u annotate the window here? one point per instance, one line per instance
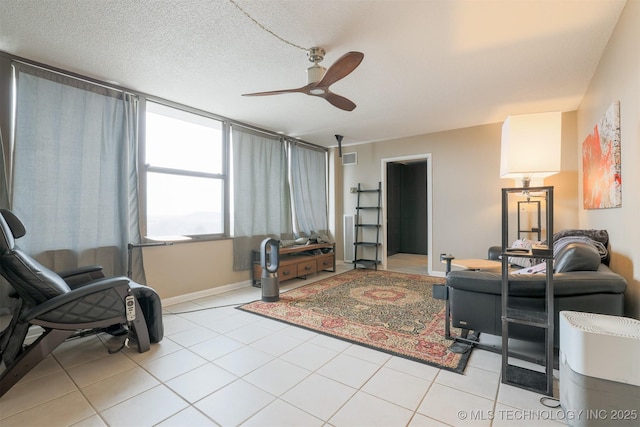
(186, 176)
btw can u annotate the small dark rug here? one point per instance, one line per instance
(384, 310)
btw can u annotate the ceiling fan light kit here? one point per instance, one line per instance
(315, 73)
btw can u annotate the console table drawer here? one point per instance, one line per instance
(286, 272)
(325, 262)
(307, 267)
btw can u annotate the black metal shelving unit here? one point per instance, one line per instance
(529, 379)
(537, 229)
(367, 232)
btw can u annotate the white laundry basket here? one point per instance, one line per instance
(599, 369)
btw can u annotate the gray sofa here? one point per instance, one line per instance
(582, 281)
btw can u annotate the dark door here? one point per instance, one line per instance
(407, 208)
(394, 184)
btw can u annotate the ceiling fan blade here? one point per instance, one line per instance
(303, 89)
(338, 101)
(341, 68)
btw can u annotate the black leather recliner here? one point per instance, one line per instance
(86, 300)
(581, 282)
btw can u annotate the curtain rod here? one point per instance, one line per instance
(67, 73)
(289, 138)
(147, 96)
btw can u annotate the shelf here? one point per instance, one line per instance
(525, 378)
(527, 254)
(367, 232)
(532, 230)
(527, 317)
(541, 251)
(304, 248)
(540, 382)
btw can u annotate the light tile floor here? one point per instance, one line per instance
(220, 366)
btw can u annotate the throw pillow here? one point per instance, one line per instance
(601, 236)
(577, 256)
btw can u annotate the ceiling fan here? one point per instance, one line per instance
(319, 78)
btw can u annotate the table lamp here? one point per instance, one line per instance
(531, 145)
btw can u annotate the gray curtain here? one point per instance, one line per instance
(75, 179)
(261, 193)
(308, 188)
(4, 183)
(5, 288)
(6, 103)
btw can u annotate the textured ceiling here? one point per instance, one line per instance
(428, 65)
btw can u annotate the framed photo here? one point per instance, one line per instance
(601, 169)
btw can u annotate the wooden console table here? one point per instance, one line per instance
(298, 261)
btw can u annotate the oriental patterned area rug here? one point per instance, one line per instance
(384, 310)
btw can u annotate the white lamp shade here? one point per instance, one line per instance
(531, 145)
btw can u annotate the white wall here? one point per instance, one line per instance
(617, 78)
(191, 268)
(466, 184)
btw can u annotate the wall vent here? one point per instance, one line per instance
(349, 236)
(349, 159)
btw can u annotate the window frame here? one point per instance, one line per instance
(144, 169)
(7, 81)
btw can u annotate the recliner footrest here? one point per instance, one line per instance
(151, 309)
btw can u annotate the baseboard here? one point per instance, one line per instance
(206, 293)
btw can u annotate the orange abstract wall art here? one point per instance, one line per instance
(601, 169)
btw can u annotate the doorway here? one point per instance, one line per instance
(407, 207)
(406, 213)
